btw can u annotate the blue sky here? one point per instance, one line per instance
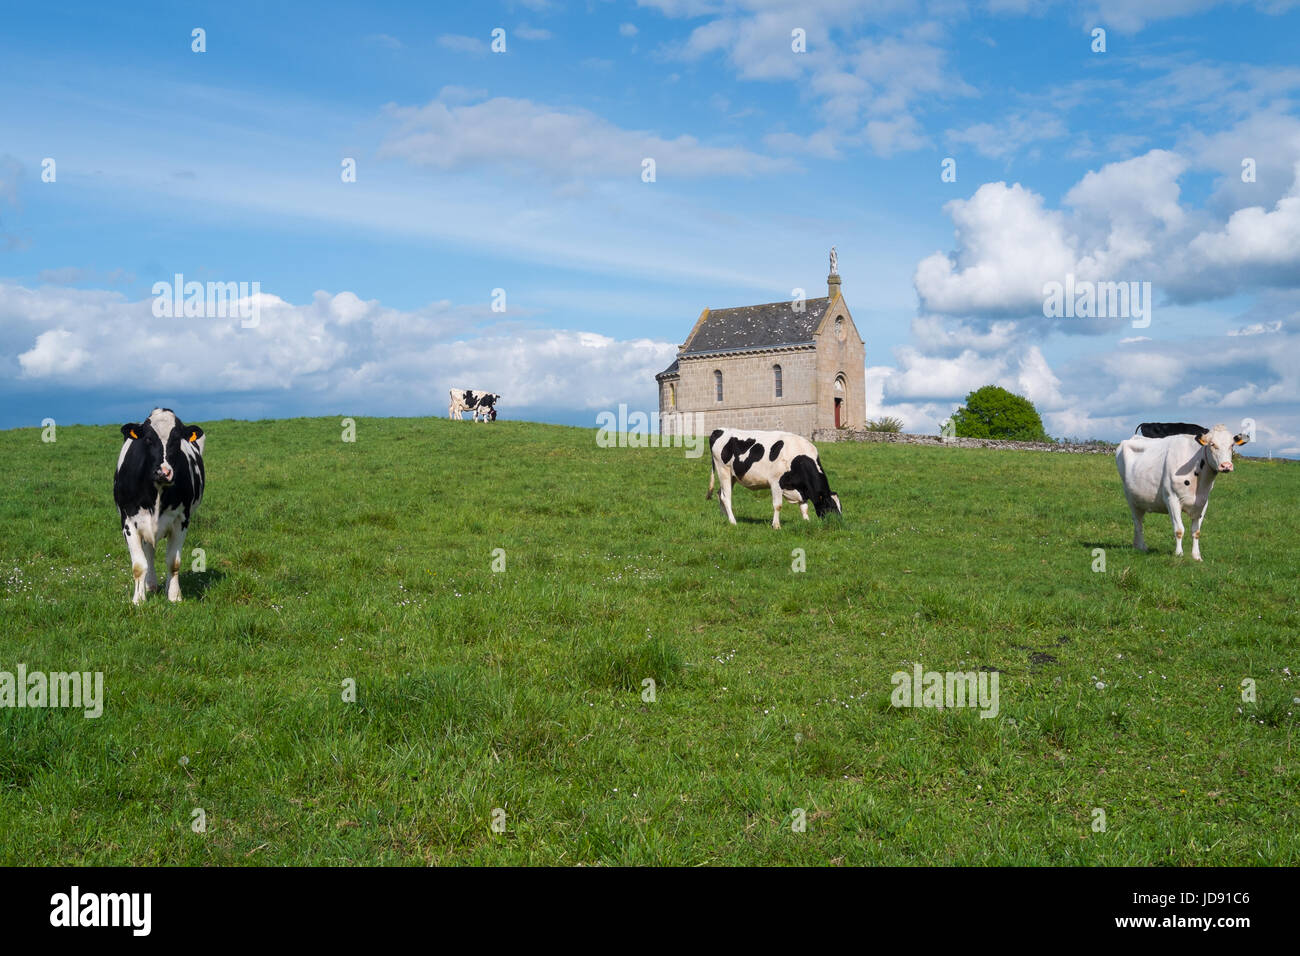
(522, 171)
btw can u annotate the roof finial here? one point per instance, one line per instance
(835, 262)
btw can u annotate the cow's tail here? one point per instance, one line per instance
(713, 473)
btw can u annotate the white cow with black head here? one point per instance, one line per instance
(157, 486)
(786, 464)
(1170, 467)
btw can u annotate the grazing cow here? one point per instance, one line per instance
(157, 485)
(464, 400)
(1174, 473)
(780, 461)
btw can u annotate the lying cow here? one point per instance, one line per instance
(785, 463)
(1171, 467)
(464, 400)
(157, 486)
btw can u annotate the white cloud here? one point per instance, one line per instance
(1128, 17)
(56, 353)
(333, 352)
(1011, 134)
(1008, 245)
(870, 88)
(525, 32)
(1254, 237)
(461, 44)
(627, 29)
(1125, 223)
(564, 144)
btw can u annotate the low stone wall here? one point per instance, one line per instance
(902, 438)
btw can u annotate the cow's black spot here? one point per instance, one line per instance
(1165, 429)
(806, 477)
(713, 438)
(728, 450)
(745, 462)
(776, 450)
(1187, 481)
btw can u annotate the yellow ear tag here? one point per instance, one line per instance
(133, 434)
(1201, 439)
(194, 436)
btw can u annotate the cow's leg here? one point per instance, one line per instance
(803, 509)
(138, 566)
(1196, 533)
(175, 544)
(777, 495)
(151, 572)
(724, 496)
(1176, 516)
(1139, 541)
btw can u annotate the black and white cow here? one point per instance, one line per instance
(157, 485)
(464, 400)
(1170, 467)
(786, 464)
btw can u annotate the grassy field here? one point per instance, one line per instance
(522, 690)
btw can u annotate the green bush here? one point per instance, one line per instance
(992, 412)
(886, 423)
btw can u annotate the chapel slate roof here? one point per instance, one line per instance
(765, 326)
(670, 370)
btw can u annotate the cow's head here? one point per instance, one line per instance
(816, 487)
(1218, 443)
(160, 436)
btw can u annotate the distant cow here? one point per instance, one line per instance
(780, 461)
(1167, 468)
(464, 400)
(157, 486)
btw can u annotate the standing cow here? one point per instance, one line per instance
(157, 486)
(1171, 467)
(464, 400)
(786, 464)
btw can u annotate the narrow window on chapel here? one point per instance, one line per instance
(717, 381)
(776, 375)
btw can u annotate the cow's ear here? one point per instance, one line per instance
(195, 433)
(131, 431)
(1240, 439)
(1203, 437)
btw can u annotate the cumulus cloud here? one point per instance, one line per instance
(1008, 245)
(1122, 223)
(1254, 237)
(333, 352)
(452, 134)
